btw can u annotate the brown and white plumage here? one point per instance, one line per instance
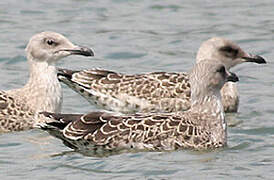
(153, 92)
(19, 107)
(203, 126)
(158, 91)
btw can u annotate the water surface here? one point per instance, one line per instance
(143, 36)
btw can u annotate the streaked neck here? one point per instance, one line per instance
(208, 103)
(43, 90)
(211, 106)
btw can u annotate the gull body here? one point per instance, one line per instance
(201, 127)
(157, 91)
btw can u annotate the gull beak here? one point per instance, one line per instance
(232, 77)
(254, 58)
(79, 50)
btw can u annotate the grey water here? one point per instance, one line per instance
(143, 36)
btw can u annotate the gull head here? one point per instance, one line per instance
(208, 77)
(229, 53)
(51, 47)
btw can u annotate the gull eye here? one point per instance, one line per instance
(50, 42)
(229, 50)
(221, 70)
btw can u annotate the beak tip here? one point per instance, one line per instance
(87, 51)
(79, 50)
(263, 61)
(255, 58)
(233, 77)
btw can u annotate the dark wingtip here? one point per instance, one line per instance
(63, 118)
(59, 121)
(47, 114)
(56, 123)
(65, 73)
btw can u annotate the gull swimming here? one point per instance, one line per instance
(42, 92)
(201, 127)
(156, 91)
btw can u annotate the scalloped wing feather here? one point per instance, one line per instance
(149, 131)
(152, 92)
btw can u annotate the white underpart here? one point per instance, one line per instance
(142, 103)
(222, 115)
(43, 91)
(48, 88)
(231, 90)
(118, 103)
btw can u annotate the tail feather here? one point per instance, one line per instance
(60, 121)
(56, 124)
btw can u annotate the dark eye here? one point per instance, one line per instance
(50, 42)
(221, 70)
(226, 49)
(229, 50)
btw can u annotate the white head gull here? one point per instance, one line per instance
(18, 107)
(230, 55)
(157, 91)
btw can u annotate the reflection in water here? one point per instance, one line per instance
(232, 119)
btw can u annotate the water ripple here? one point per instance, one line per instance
(134, 37)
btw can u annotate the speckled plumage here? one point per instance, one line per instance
(11, 109)
(20, 107)
(158, 91)
(203, 126)
(153, 92)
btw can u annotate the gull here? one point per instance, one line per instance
(42, 92)
(156, 91)
(201, 127)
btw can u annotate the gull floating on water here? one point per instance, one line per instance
(157, 91)
(203, 126)
(19, 107)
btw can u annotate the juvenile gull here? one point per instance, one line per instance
(203, 126)
(19, 107)
(157, 91)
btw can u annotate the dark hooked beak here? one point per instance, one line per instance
(255, 59)
(232, 77)
(78, 50)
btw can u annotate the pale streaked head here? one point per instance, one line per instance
(208, 77)
(52, 46)
(229, 53)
